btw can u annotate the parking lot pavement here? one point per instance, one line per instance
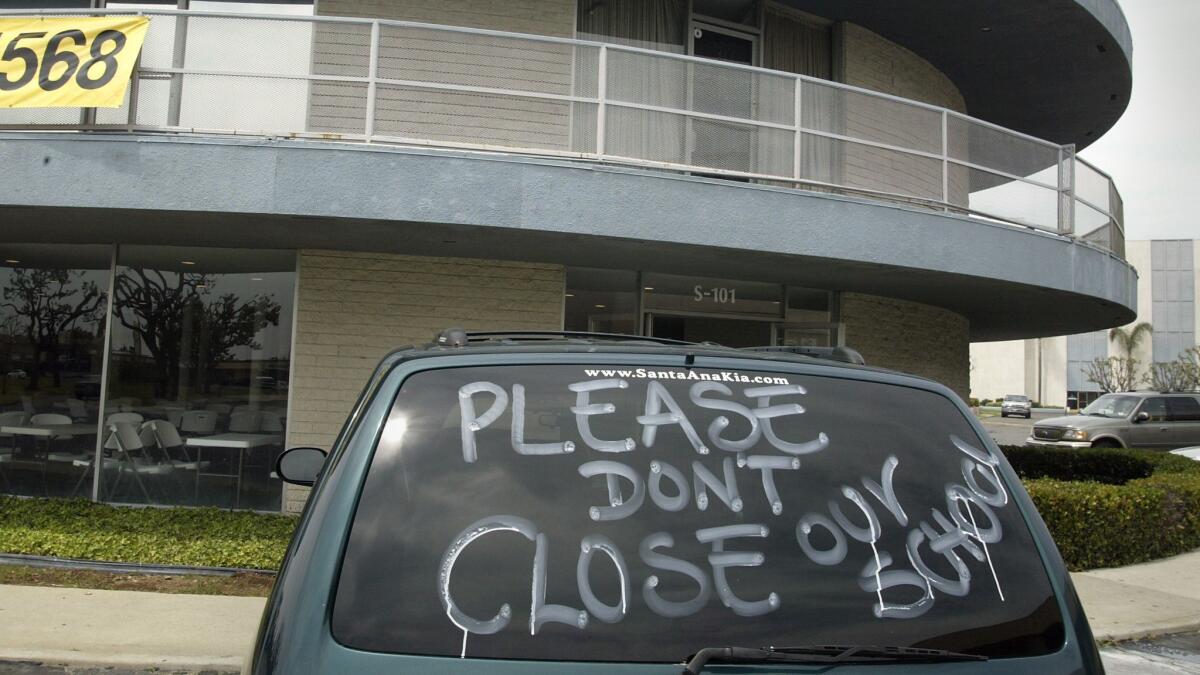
(1012, 430)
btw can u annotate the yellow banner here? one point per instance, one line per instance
(74, 62)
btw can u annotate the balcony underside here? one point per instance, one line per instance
(1009, 282)
(1055, 69)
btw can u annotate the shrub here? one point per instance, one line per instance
(1110, 507)
(1099, 465)
(81, 529)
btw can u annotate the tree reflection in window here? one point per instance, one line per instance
(58, 312)
(187, 325)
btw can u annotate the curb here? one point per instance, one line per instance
(72, 659)
(1188, 626)
(124, 568)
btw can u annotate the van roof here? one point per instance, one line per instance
(452, 341)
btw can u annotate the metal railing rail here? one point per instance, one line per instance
(860, 147)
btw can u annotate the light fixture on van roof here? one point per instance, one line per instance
(188, 262)
(11, 261)
(600, 306)
(648, 288)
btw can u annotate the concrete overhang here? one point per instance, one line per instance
(1060, 70)
(225, 192)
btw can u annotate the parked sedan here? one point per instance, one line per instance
(1129, 420)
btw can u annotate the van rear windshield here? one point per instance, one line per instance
(580, 513)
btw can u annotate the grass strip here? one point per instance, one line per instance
(80, 529)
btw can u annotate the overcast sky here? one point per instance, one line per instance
(1153, 152)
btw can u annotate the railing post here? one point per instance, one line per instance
(1066, 189)
(178, 54)
(372, 84)
(945, 158)
(131, 118)
(601, 99)
(798, 120)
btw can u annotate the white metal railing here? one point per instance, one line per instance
(380, 81)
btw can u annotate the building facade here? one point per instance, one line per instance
(1054, 370)
(291, 190)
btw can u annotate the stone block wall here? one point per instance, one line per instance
(910, 337)
(353, 308)
(873, 62)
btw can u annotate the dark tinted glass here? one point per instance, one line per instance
(1156, 408)
(573, 513)
(1184, 409)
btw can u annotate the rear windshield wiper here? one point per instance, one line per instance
(821, 654)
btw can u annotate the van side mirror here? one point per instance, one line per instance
(300, 466)
(1142, 416)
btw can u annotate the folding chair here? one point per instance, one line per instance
(124, 440)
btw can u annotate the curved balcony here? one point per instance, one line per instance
(378, 81)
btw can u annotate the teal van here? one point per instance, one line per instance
(578, 503)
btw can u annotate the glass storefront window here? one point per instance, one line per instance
(197, 392)
(52, 304)
(601, 301)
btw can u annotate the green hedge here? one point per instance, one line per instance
(78, 528)
(1097, 465)
(1111, 507)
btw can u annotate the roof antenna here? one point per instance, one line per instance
(451, 337)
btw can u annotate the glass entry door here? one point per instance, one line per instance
(723, 331)
(805, 335)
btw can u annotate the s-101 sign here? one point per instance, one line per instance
(718, 294)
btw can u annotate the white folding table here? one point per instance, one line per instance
(48, 432)
(230, 441)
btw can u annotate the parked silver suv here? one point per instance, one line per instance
(1016, 404)
(1129, 420)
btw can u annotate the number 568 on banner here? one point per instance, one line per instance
(82, 62)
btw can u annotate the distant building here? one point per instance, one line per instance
(1052, 369)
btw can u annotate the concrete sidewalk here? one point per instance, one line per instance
(134, 629)
(1154, 598)
(201, 632)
